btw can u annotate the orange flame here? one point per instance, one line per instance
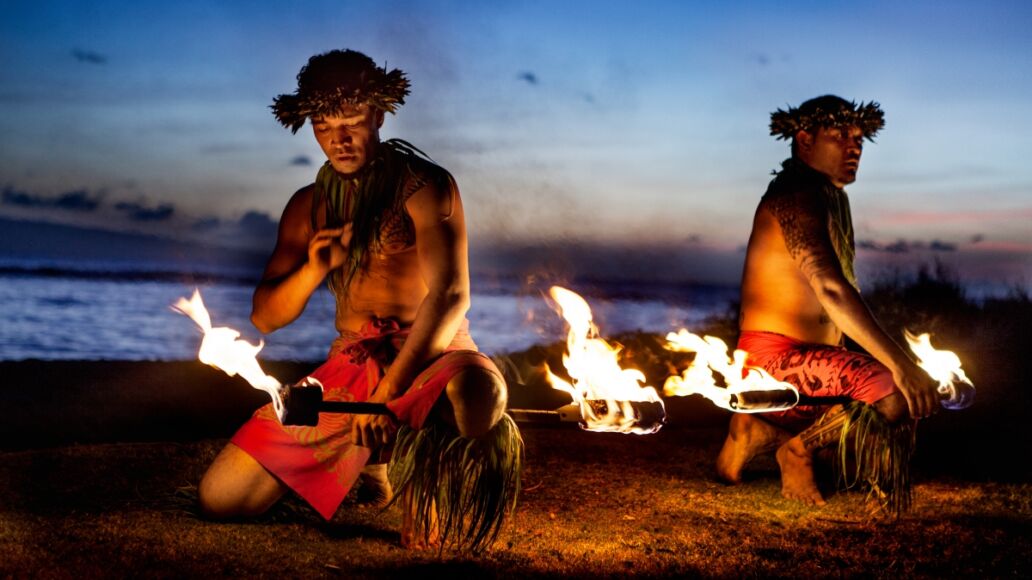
(711, 356)
(593, 366)
(944, 367)
(222, 349)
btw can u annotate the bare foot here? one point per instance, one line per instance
(412, 536)
(747, 437)
(797, 481)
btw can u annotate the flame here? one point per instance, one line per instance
(711, 356)
(596, 374)
(222, 349)
(944, 367)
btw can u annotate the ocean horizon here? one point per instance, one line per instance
(108, 310)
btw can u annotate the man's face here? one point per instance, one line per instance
(349, 140)
(834, 152)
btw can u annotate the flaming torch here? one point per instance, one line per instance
(297, 404)
(955, 388)
(748, 389)
(223, 349)
(610, 398)
(753, 390)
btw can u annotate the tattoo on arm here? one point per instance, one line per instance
(804, 225)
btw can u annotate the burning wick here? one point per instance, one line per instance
(943, 366)
(222, 348)
(610, 398)
(749, 389)
(297, 404)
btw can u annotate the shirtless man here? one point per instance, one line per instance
(384, 227)
(800, 297)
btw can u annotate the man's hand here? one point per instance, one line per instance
(374, 430)
(920, 390)
(329, 248)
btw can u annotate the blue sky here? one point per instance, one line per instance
(613, 124)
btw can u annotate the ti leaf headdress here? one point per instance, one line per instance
(333, 82)
(827, 111)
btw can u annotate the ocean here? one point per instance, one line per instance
(104, 311)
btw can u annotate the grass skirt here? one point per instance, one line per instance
(874, 454)
(469, 484)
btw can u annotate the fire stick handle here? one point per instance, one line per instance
(809, 401)
(541, 416)
(354, 407)
(519, 415)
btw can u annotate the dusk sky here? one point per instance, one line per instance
(627, 124)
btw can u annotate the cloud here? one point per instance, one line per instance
(301, 161)
(528, 77)
(898, 247)
(258, 224)
(140, 213)
(78, 200)
(88, 56)
(206, 224)
(906, 246)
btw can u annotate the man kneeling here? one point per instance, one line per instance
(800, 297)
(384, 227)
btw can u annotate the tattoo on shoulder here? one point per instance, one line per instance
(412, 185)
(803, 218)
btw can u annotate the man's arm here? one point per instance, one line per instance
(803, 221)
(299, 263)
(441, 245)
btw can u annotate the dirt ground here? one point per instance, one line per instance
(594, 505)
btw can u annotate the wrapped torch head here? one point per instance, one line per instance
(647, 416)
(957, 395)
(301, 402)
(764, 401)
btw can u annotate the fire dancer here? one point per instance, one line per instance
(800, 297)
(384, 226)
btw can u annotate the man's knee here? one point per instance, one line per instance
(477, 399)
(236, 485)
(893, 407)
